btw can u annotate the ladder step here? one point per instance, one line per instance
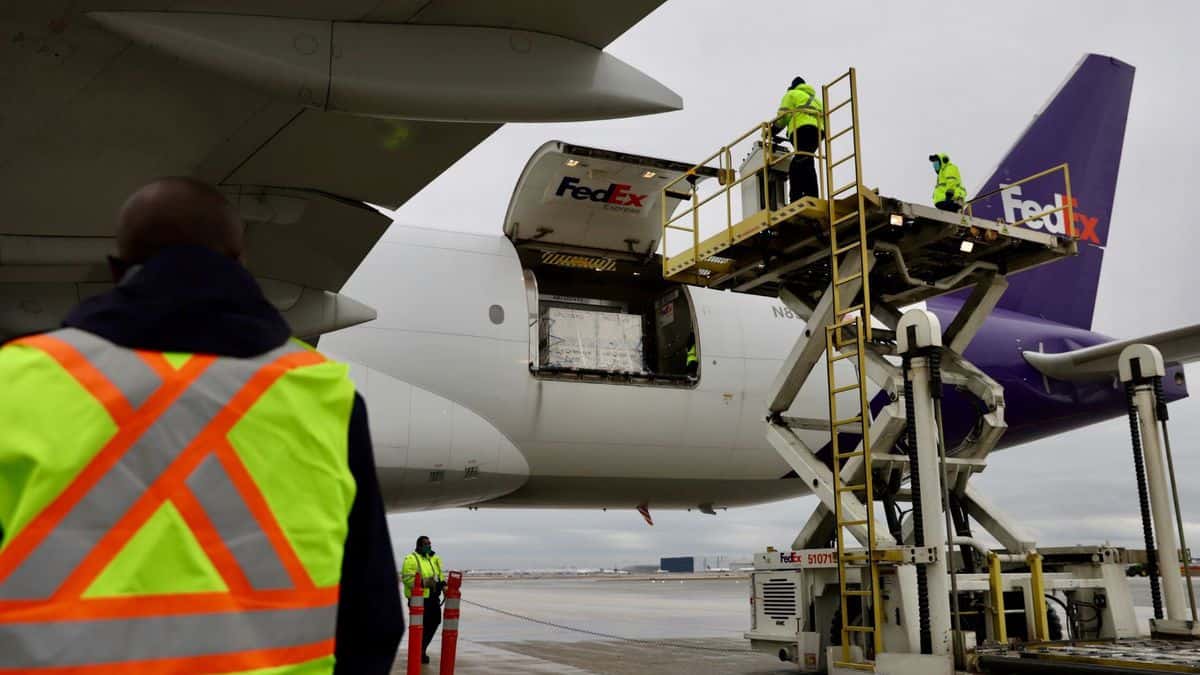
(844, 355)
(867, 666)
(839, 134)
(841, 105)
(844, 388)
(843, 160)
(844, 188)
(852, 523)
(851, 308)
(852, 488)
(851, 340)
(859, 629)
(846, 420)
(842, 249)
(844, 218)
(848, 455)
(861, 594)
(845, 280)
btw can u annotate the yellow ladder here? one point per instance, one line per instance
(846, 338)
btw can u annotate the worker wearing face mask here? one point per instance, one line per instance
(429, 565)
(948, 194)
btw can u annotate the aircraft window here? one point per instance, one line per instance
(496, 314)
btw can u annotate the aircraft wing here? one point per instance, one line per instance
(1181, 345)
(302, 111)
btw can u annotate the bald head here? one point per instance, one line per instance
(177, 211)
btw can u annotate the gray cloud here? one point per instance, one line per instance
(962, 77)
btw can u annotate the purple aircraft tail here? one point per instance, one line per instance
(1084, 126)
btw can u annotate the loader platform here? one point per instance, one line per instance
(925, 252)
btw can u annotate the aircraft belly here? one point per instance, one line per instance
(660, 493)
(443, 370)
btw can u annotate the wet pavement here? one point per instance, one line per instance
(676, 627)
(702, 621)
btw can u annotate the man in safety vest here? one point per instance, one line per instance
(948, 194)
(429, 565)
(183, 488)
(801, 111)
(693, 361)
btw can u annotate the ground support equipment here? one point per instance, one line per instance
(922, 595)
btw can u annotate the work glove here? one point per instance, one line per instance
(441, 586)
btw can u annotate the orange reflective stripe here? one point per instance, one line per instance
(258, 506)
(158, 363)
(133, 606)
(217, 663)
(44, 522)
(81, 369)
(210, 541)
(172, 479)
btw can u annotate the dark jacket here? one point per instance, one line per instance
(189, 299)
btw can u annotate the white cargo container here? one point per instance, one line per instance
(592, 340)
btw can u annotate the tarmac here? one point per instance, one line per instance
(614, 626)
(700, 620)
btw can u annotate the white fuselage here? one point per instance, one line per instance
(458, 419)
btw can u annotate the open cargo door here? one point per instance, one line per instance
(577, 200)
(586, 224)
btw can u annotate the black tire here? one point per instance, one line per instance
(1054, 624)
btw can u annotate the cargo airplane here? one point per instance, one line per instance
(498, 371)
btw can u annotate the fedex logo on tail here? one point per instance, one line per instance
(1016, 208)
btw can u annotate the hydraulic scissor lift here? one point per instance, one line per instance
(848, 261)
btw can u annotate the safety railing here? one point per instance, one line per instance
(1067, 208)
(684, 189)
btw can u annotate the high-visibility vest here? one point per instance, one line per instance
(949, 182)
(429, 567)
(691, 355)
(805, 108)
(167, 512)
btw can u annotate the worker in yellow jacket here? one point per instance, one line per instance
(803, 115)
(425, 561)
(948, 194)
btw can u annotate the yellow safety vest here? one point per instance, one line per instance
(949, 183)
(805, 108)
(430, 569)
(167, 512)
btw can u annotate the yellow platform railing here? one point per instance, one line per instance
(684, 189)
(1067, 208)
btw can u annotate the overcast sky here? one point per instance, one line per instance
(963, 78)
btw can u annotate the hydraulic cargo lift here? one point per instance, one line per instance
(921, 595)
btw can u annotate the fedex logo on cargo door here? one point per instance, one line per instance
(617, 196)
(1016, 208)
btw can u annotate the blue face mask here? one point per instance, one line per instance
(425, 550)
(937, 166)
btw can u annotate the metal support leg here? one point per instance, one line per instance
(974, 311)
(817, 477)
(1160, 507)
(1139, 364)
(807, 351)
(917, 329)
